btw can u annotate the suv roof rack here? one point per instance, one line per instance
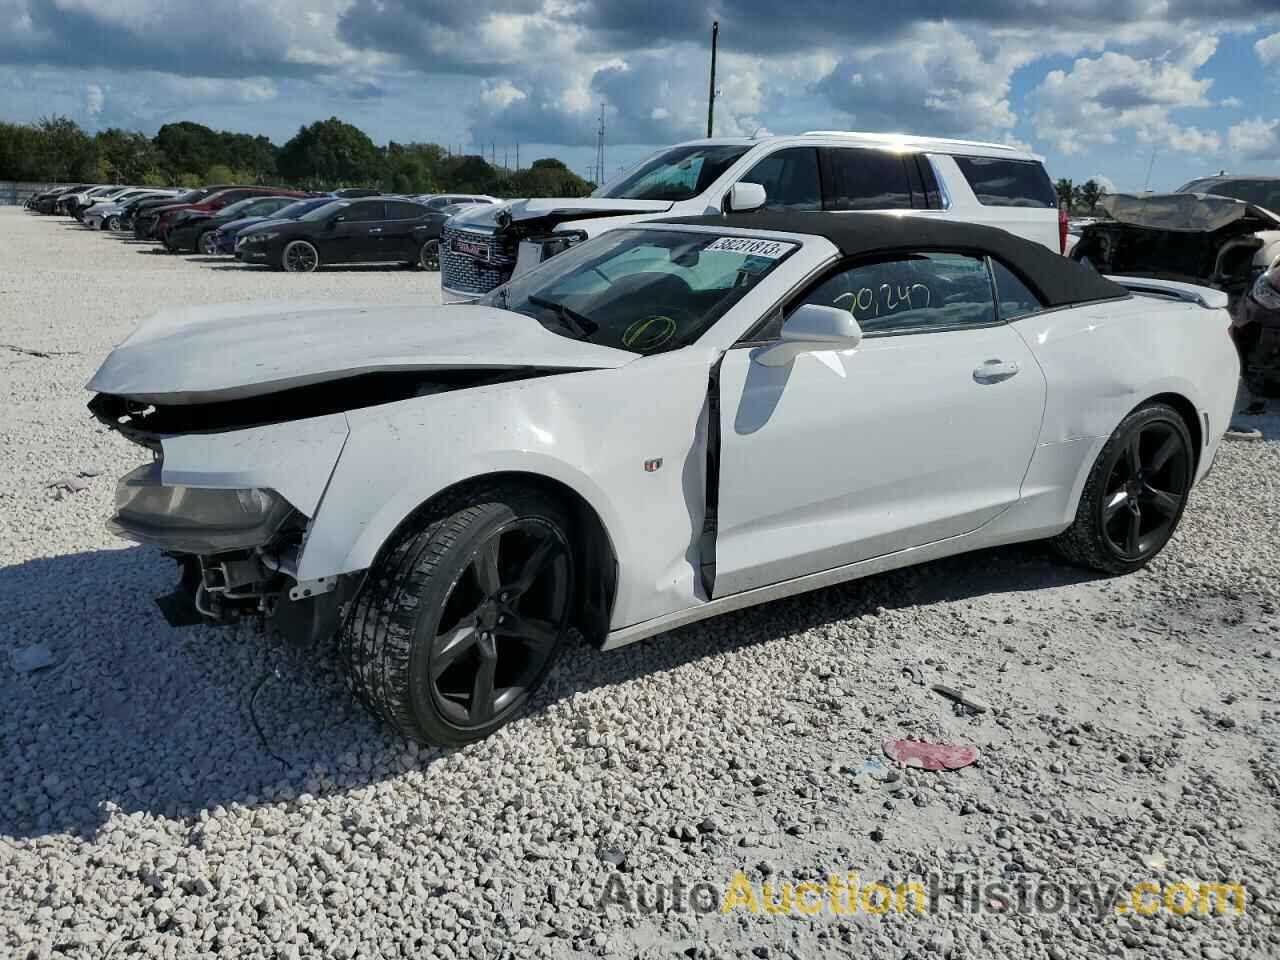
(911, 138)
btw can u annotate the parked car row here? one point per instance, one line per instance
(270, 226)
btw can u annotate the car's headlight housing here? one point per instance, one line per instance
(261, 237)
(1265, 292)
(194, 519)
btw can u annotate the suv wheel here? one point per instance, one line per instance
(462, 615)
(429, 256)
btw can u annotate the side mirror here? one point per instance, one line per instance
(745, 196)
(336, 219)
(810, 329)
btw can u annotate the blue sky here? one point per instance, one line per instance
(1097, 87)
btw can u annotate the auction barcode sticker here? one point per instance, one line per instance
(770, 249)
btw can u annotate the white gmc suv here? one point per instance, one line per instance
(988, 183)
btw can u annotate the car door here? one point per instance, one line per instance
(921, 433)
(399, 239)
(355, 236)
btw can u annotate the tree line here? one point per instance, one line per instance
(1080, 198)
(327, 154)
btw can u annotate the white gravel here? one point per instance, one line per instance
(1132, 736)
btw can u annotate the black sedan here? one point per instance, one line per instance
(195, 229)
(383, 230)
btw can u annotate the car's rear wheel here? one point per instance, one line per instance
(1135, 494)
(429, 256)
(462, 614)
(300, 257)
(207, 243)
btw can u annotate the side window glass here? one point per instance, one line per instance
(404, 211)
(790, 179)
(1008, 183)
(362, 212)
(868, 180)
(916, 294)
(1016, 298)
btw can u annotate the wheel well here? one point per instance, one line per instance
(596, 559)
(1187, 410)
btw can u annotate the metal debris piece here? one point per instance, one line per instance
(67, 485)
(930, 756)
(962, 696)
(1239, 432)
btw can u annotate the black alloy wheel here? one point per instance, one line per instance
(1135, 494)
(429, 257)
(1146, 490)
(501, 622)
(300, 257)
(463, 613)
(207, 243)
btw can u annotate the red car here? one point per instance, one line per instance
(215, 201)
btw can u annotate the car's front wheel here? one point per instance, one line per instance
(207, 243)
(1135, 494)
(112, 223)
(462, 614)
(300, 257)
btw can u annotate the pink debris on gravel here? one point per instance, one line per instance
(930, 756)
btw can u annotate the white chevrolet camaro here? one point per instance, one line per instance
(661, 424)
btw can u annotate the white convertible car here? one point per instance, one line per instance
(664, 423)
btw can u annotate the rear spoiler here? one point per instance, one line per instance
(1206, 297)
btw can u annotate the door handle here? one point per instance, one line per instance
(994, 371)
(375, 229)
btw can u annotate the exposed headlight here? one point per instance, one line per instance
(194, 519)
(263, 237)
(1264, 291)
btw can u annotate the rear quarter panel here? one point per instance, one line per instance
(1101, 361)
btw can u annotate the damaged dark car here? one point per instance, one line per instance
(1223, 242)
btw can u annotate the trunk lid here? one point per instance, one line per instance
(233, 351)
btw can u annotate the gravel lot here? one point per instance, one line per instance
(1134, 733)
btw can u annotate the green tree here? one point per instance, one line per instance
(330, 153)
(220, 173)
(126, 156)
(1066, 193)
(64, 151)
(1088, 195)
(21, 152)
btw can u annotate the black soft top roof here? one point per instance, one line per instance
(1059, 281)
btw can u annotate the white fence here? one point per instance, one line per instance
(12, 193)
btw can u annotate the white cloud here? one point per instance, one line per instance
(1268, 49)
(502, 94)
(1255, 139)
(1097, 99)
(1106, 183)
(94, 98)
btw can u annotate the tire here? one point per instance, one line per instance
(442, 610)
(299, 256)
(207, 244)
(429, 256)
(1127, 515)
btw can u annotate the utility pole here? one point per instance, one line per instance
(711, 98)
(517, 158)
(599, 174)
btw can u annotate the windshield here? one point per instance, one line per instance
(294, 210)
(675, 174)
(646, 291)
(232, 208)
(327, 210)
(1262, 193)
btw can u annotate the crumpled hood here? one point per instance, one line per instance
(1184, 212)
(548, 212)
(231, 351)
